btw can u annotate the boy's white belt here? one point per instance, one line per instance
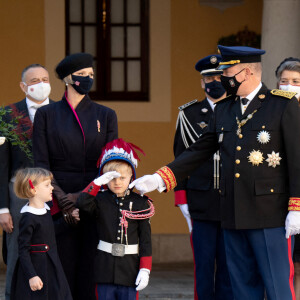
(118, 249)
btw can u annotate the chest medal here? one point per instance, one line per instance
(256, 157)
(273, 159)
(263, 137)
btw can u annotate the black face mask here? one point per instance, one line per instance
(82, 84)
(214, 89)
(230, 84)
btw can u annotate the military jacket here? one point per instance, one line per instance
(106, 207)
(202, 194)
(258, 174)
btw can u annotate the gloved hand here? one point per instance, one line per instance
(292, 223)
(106, 178)
(142, 279)
(67, 205)
(148, 183)
(185, 211)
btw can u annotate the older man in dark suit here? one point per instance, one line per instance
(35, 84)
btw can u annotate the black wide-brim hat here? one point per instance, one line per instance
(73, 63)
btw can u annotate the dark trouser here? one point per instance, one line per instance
(106, 291)
(259, 260)
(16, 205)
(76, 247)
(209, 251)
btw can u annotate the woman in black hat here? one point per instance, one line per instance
(288, 79)
(67, 140)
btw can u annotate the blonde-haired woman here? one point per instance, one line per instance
(67, 140)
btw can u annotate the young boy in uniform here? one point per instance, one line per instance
(123, 260)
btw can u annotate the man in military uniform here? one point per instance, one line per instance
(257, 132)
(198, 196)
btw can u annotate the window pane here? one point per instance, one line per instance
(133, 11)
(90, 10)
(134, 76)
(133, 42)
(94, 86)
(117, 42)
(116, 11)
(90, 38)
(75, 10)
(117, 76)
(75, 39)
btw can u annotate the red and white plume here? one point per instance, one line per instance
(119, 149)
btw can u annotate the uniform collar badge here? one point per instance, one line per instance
(273, 159)
(255, 157)
(202, 124)
(263, 137)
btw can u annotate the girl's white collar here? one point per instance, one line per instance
(35, 211)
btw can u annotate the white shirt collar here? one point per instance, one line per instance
(30, 103)
(35, 211)
(253, 93)
(211, 103)
(32, 107)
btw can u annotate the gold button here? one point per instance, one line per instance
(222, 128)
(263, 127)
(271, 190)
(240, 136)
(237, 161)
(237, 175)
(238, 148)
(220, 191)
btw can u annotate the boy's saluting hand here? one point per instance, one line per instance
(106, 178)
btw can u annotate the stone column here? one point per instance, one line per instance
(280, 35)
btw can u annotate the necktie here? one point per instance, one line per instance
(244, 101)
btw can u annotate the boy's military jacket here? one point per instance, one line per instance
(202, 197)
(106, 207)
(260, 163)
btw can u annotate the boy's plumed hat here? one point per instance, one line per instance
(119, 150)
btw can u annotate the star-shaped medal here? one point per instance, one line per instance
(273, 159)
(263, 137)
(256, 157)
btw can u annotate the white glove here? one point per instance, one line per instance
(185, 211)
(106, 178)
(292, 223)
(148, 183)
(142, 279)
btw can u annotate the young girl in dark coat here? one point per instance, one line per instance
(38, 273)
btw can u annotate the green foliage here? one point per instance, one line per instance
(12, 131)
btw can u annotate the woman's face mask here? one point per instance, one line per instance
(291, 88)
(82, 84)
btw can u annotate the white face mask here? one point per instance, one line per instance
(291, 88)
(39, 91)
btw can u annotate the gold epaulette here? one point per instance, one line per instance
(282, 93)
